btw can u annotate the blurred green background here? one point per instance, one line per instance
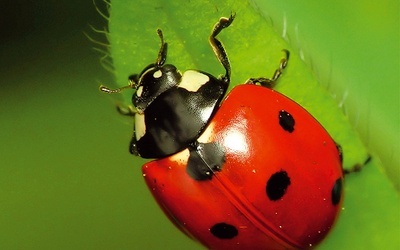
(66, 178)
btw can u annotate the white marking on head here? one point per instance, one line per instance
(192, 80)
(145, 73)
(139, 91)
(140, 126)
(157, 74)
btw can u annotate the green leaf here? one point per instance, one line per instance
(370, 219)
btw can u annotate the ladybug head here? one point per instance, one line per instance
(154, 80)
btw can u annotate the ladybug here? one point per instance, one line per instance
(248, 170)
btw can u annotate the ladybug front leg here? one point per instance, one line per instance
(218, 48)
(357, 167)
(271, 82)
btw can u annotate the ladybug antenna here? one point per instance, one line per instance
(131, 85)
(162, 54)
(113, 91)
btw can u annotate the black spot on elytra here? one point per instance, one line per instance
(277, 185)
(286, 121)
(224, 231)
(337, 191)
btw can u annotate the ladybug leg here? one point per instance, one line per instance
(132, 145)
(217, 46)
(271, 82)
(340, 151)
(128, 110)
(357, 167)
(204, 160)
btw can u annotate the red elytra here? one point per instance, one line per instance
(279, 188)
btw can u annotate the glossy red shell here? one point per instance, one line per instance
(257, 147)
